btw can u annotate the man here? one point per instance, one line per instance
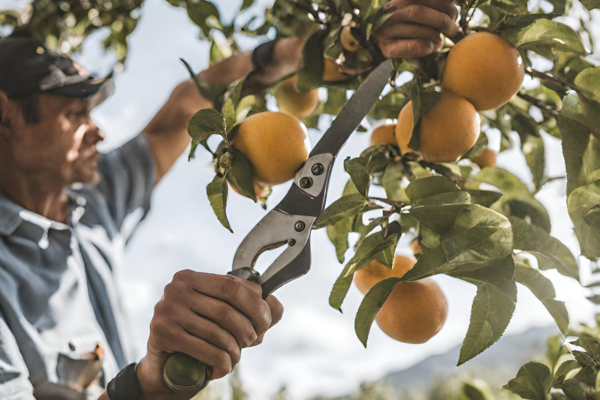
(62, 331)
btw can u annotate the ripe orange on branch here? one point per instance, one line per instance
(332, 73)
(384, 134)
(485, 69)
(414, 312)
(374, 272)
(448, 131)
(275, 143)
(292, 102)
(485, 159)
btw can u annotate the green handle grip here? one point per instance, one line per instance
(183, 373)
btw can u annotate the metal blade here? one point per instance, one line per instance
(354, 111)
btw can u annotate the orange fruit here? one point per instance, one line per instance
(414, 312)
(485, 159)
(331, 72)
(374, 272)
(348, 40)
(416, 247)
(292, 102)
(384, 134)
(485, 69)
(275, 143)
(448, 131)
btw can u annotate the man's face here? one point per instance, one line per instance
(62, 144)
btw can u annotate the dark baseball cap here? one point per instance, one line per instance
(27, 67)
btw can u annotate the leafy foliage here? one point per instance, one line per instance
(63, 25)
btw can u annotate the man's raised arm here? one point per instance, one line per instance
(167, 132)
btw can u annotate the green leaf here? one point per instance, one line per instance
(338, 235)
(574, 389)
(533, 381)
(392, 182)
(347, 206)
(389, 106)
(564, 368)
(533, 149)
(370, 306)
(477, 390)
(493, 306)
(517, 199)
(543, 289)
(445, 198)
(217, 196)
(229, 111)
(336, 99)
(472, 237)
(588, 81)
(204, 14)
(240, 175)
(550, 252)
(547, 38)
(590, 344)
(484, 197)
(359, 175)
(368, 251)
(423, 188)
(423, 101)
(375, 246)
(311, 75)
(205, 123)
(591, 4)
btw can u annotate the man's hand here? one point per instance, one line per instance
(415, 27)
(209, 317)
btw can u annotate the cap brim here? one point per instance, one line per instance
(82, 89)
(95, 90)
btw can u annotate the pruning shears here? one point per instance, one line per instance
(290, 222)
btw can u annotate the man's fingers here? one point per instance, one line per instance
(408, 48)
(212, 333)
(201, 350)
(226, 317)
(276, 309)
(406, 31)
(423, 15)
(242, 296)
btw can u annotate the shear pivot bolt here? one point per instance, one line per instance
(317, 169)
(291, 242)
(306, 182)
(299, 226)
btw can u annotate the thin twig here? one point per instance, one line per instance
(546, 108)
(545, 75)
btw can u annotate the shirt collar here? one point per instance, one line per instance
(13, 215)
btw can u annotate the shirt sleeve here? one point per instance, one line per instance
(14, 376)
(127, 178)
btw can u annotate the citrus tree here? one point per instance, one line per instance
(63, 25)
(429, 173)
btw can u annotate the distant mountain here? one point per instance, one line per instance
(497, 365)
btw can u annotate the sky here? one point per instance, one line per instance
(313, 350)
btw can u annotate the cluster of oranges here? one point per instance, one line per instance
(482, 72)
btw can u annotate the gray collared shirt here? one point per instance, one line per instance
(59, 284)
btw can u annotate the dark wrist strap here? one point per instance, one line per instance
(125, 386)
(262, 55)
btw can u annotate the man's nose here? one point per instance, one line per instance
(94, 134)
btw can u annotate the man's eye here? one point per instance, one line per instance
(77, 114)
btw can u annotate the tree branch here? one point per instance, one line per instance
(546, 108)
(545, 75)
